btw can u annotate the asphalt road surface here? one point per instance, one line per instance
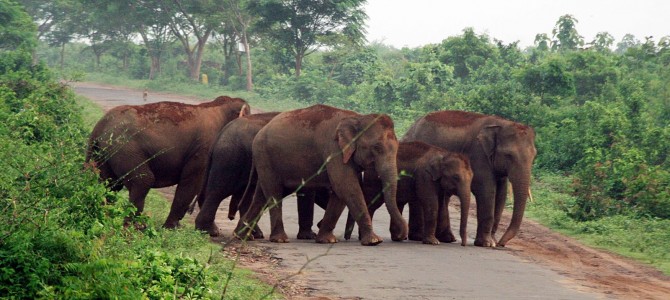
(538, 264)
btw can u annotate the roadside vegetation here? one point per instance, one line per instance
(600, 107)
(62, 233)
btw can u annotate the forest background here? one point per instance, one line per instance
(600, 107)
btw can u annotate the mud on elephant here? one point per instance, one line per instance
(499, 150)
(324, 147)
(429, 176)
(158, 145)
(228, 173)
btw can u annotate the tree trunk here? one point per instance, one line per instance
(155, 68)
(298, 64)
(250, 84)
(62, 55)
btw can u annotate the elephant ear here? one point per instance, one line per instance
(346, 132)
(435, 167)
(243, 111)
(487, 138)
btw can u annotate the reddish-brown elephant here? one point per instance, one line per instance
(324, 147)
(228, 173)
(429, 175)
(499, 150)
(158, 145)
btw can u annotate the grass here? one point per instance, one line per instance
(644, 239)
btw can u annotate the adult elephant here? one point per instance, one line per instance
(498, 150)
(324, 147)
(158, 145)
(228, 173)
(429, 176)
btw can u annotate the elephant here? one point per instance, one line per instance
(429, 176)
(228, 174)
(324, 147)
(499, 150)
(158, 145)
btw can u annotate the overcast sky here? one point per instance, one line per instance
(414, 23)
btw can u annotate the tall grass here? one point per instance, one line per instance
(643, 238)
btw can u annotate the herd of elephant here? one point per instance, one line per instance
(325, 155)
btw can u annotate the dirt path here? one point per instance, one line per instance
(538, 264)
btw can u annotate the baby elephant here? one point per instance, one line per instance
(428, 177)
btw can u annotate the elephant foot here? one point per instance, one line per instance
(257, 233)
(415, 236)
(325, 238)
(279, 237)
(243, 233)
(306, 234)
(399, 234)
(446, 237)
(169, 224)
(212, 229)
(482, 242)
(371, 240)
(430, 240)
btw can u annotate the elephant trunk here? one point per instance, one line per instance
(464, 197)
(388, 174)
(520, 188)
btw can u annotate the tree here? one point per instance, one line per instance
(542, 42)
(466, 53)
(193, 21)
(300, 26)
(240, 21)
(603, 41)
(565, 34)
(149, 19)
(16, 28)
(628, 41)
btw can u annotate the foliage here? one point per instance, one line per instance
(16, 28)
(62, 232)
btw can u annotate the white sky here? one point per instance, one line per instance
(414, 23)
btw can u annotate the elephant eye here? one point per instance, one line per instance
(378, 148)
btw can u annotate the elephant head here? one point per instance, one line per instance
(369, 142)
(510, 150)
(454, 175)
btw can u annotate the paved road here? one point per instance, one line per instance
(391, 270)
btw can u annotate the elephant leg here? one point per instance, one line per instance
(183, 197)
(277, 232)
(137, 193)
(333, 212)
(430, 213)
(249, 220)
(306, 214)
(501, 198)
(416, 222)
(444, 233)
(244, 201)
(484, 191)
(213, 195)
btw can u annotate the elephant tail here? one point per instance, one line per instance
(349, 228)
(200, 198)
(250, 182)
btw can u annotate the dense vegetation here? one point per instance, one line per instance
(601, 108)
(62, 233)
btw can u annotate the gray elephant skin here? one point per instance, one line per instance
(158, 145)
(429, 175)
(324, 147)
(499, 150)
